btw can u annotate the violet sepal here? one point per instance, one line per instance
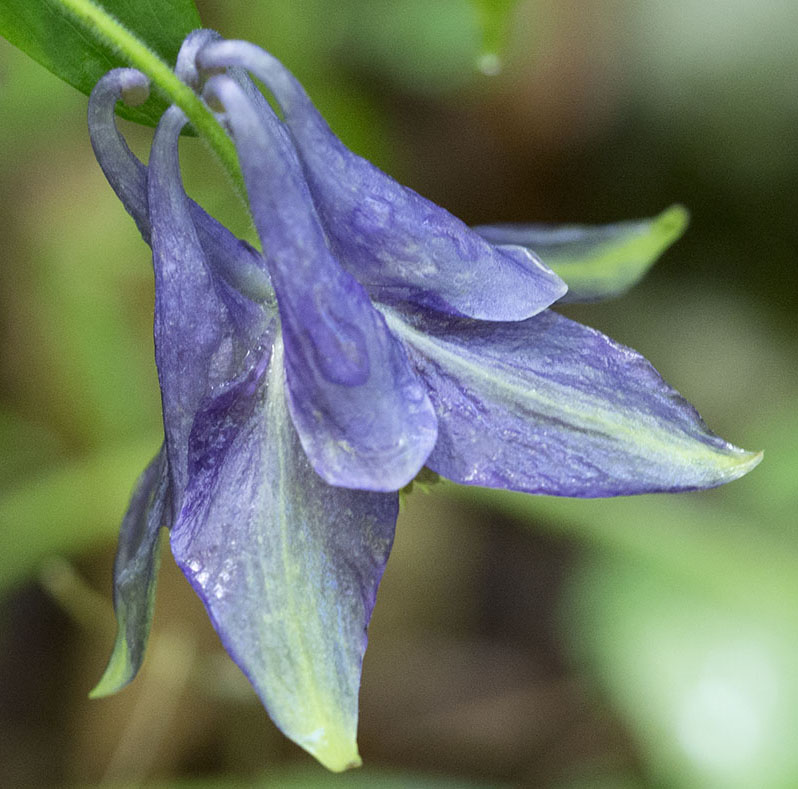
(596, 261)
(399, 245)
(550, 406)
(362, 415)
(287, 565)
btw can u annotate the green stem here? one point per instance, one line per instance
(104, 26)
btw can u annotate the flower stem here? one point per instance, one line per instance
(102, 25)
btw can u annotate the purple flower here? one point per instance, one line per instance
(305, 385)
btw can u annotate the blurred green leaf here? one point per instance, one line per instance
(89, 350)
(45, 31)
(597, 261)
(709, 691)
(68, 510)
(773, 501)
(24, 446)
(425, 47)
(698, 542)
(494, 20)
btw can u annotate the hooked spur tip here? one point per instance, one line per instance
(211, 92)
(186, 66)
(134, 87)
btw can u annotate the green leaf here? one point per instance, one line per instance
(596, 261)
(46, 31)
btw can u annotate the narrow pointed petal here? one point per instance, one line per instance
(403, 247)
(596, 261)
(362, 415)
(193, 342)
(550, 406)
(286, 565)
(135, 576)
(235, 261)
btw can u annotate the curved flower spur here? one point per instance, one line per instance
(209, 284)
(400, 338)
(399, 245)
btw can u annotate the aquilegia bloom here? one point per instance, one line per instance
(305, 385)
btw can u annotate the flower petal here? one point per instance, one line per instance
(197, 345)
(550, 406)
(235, 261)
(286, 565)
(596, 261)
(401, 246)
(135, 575)
(362, 415)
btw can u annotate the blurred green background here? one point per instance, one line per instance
(522, 641)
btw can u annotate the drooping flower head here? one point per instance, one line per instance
(303, 386)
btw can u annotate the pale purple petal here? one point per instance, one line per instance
(196, 345)
(286, 565)
(362, 415)
(550, 406)
(401, 246)
(596, 261)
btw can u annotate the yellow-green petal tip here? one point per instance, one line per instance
(336, 753)
(117, 674)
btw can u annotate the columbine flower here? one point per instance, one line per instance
(394, 337)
